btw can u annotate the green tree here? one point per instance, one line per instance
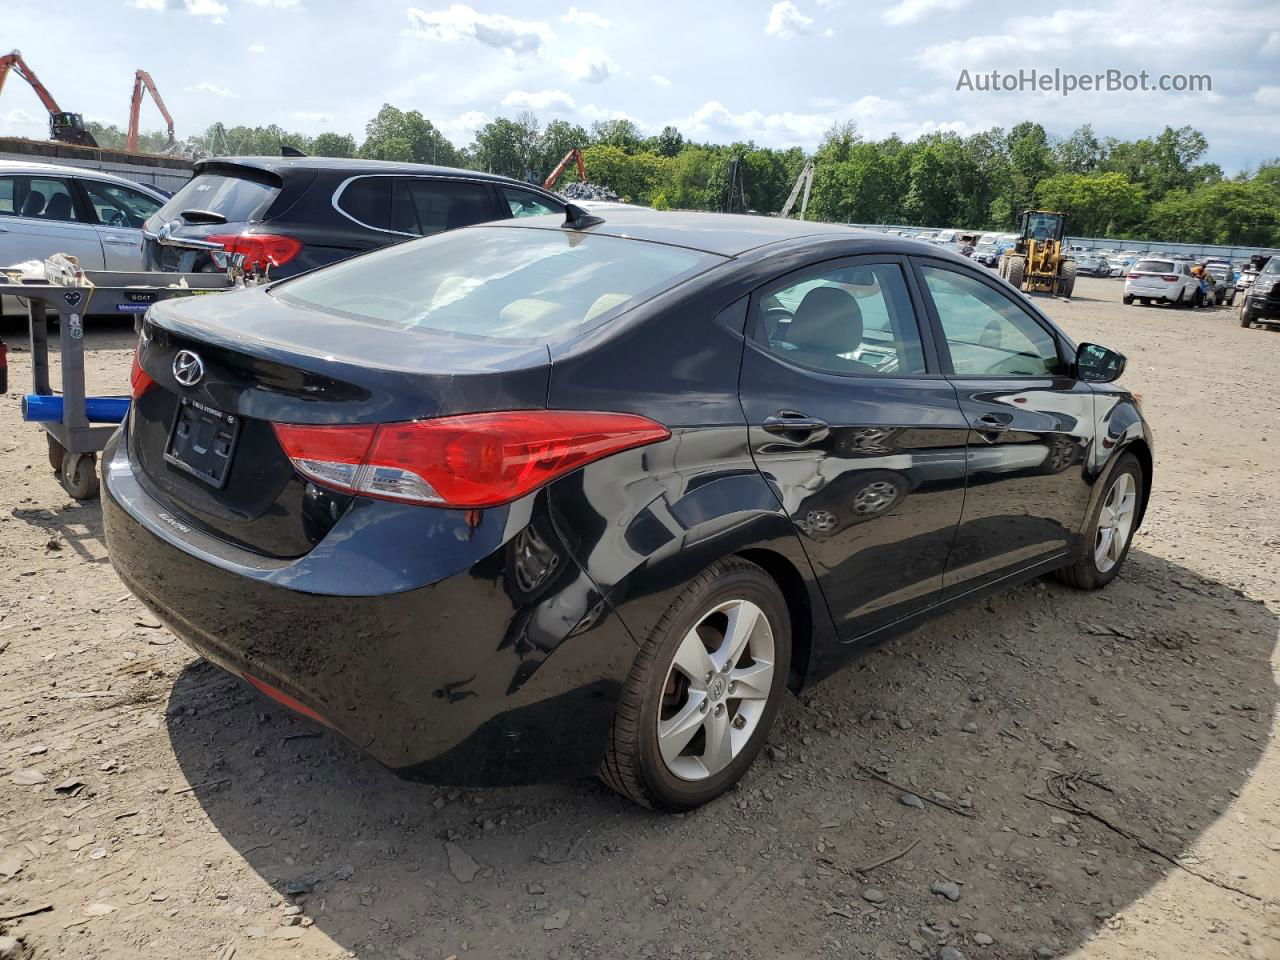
(666, 144)
(1096, 204)
(408, 137)
(620, 132)
(333, 145)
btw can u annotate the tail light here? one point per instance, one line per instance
(473, 460)
(1134, 276)
(139, 380)
(1169, 277)
(261, 250)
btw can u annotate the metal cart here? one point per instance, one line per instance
(74, 442)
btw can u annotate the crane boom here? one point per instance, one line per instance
(805, 180)
(576, 156)
(142, 80)
(64, 126)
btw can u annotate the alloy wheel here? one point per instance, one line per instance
(716, 690)
(1115, 523)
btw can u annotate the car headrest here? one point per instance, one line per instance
(33, 204)
(828, 320)
(59, 207)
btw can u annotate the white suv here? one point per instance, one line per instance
(1161, 281)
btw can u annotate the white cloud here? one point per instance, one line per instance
(660, 80)
(590, 65)
(1273, 43)
(280, 4)
(539, 99)
(461, 22)
(204, 86)
(311, 116)
(584, 18)
(911, 11)
(462, 129)
(257, 48)
(787, 21)
(197, 8)
(1268, 95)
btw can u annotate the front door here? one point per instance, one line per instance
(1031, 427)
(121, 212)
(861, 438)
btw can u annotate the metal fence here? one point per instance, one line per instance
(1112, 243)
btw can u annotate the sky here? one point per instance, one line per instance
(779, 73)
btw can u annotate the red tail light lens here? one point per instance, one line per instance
(139, 380)
(261, 250)
(1134, 276)
(474, 460)
(1169, 277)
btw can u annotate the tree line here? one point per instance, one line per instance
(1152, 188)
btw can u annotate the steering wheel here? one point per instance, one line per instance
(117, 218)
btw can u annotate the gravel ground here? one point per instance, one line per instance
(1049, 773)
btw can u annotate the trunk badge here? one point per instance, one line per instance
(188, 368)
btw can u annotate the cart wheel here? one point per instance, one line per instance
(56, 452)
(80, 475)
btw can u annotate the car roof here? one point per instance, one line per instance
(353, 166)
(35, 168)
(726, 234)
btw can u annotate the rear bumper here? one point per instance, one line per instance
(422, 635)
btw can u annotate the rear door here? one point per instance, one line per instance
(41, 216)
(861, 437)
(120, 212)
(1031, 424)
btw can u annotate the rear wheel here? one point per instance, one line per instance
(1128, 299)
(1231, 300)
(1017, 270)
(703, 690)
(1179, 301)
(1110, 530)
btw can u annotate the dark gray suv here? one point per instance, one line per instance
(291, 214)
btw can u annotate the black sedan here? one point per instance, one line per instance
(566, 495)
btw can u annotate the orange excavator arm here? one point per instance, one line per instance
(13, 61)
(574, 155)
(141, 80)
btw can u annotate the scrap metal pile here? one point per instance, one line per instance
(578, 190)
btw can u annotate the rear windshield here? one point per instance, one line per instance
(235, 198)
(1154, 266)
(498, 282)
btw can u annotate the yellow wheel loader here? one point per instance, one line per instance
(1038, 261)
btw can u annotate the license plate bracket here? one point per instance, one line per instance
(202, 442)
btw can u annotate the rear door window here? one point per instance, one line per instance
(424, 206)
(851, 319)
(42, 198)
(233, 198)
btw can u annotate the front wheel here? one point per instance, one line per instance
(1246, 317)
(703, 690)
(1110, 530)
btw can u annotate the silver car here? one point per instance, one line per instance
(46, 209)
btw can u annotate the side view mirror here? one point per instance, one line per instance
(1097, 364)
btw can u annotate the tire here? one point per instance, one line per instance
(1088, 572)
(658, 690)
(1246, 315)
(1017, 270)
(1145, 301)
(1231, 300)
(80, 475)
(1066, 278)
(1179, 302)
(56, 454)
(1128, 300)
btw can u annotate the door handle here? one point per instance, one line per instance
(993, 422)
(796, 427)
(124, 241)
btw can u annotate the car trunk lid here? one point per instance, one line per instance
(225, 368)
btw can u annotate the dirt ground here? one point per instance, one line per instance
(1100, 773)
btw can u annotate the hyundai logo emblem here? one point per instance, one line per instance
(188, 368)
